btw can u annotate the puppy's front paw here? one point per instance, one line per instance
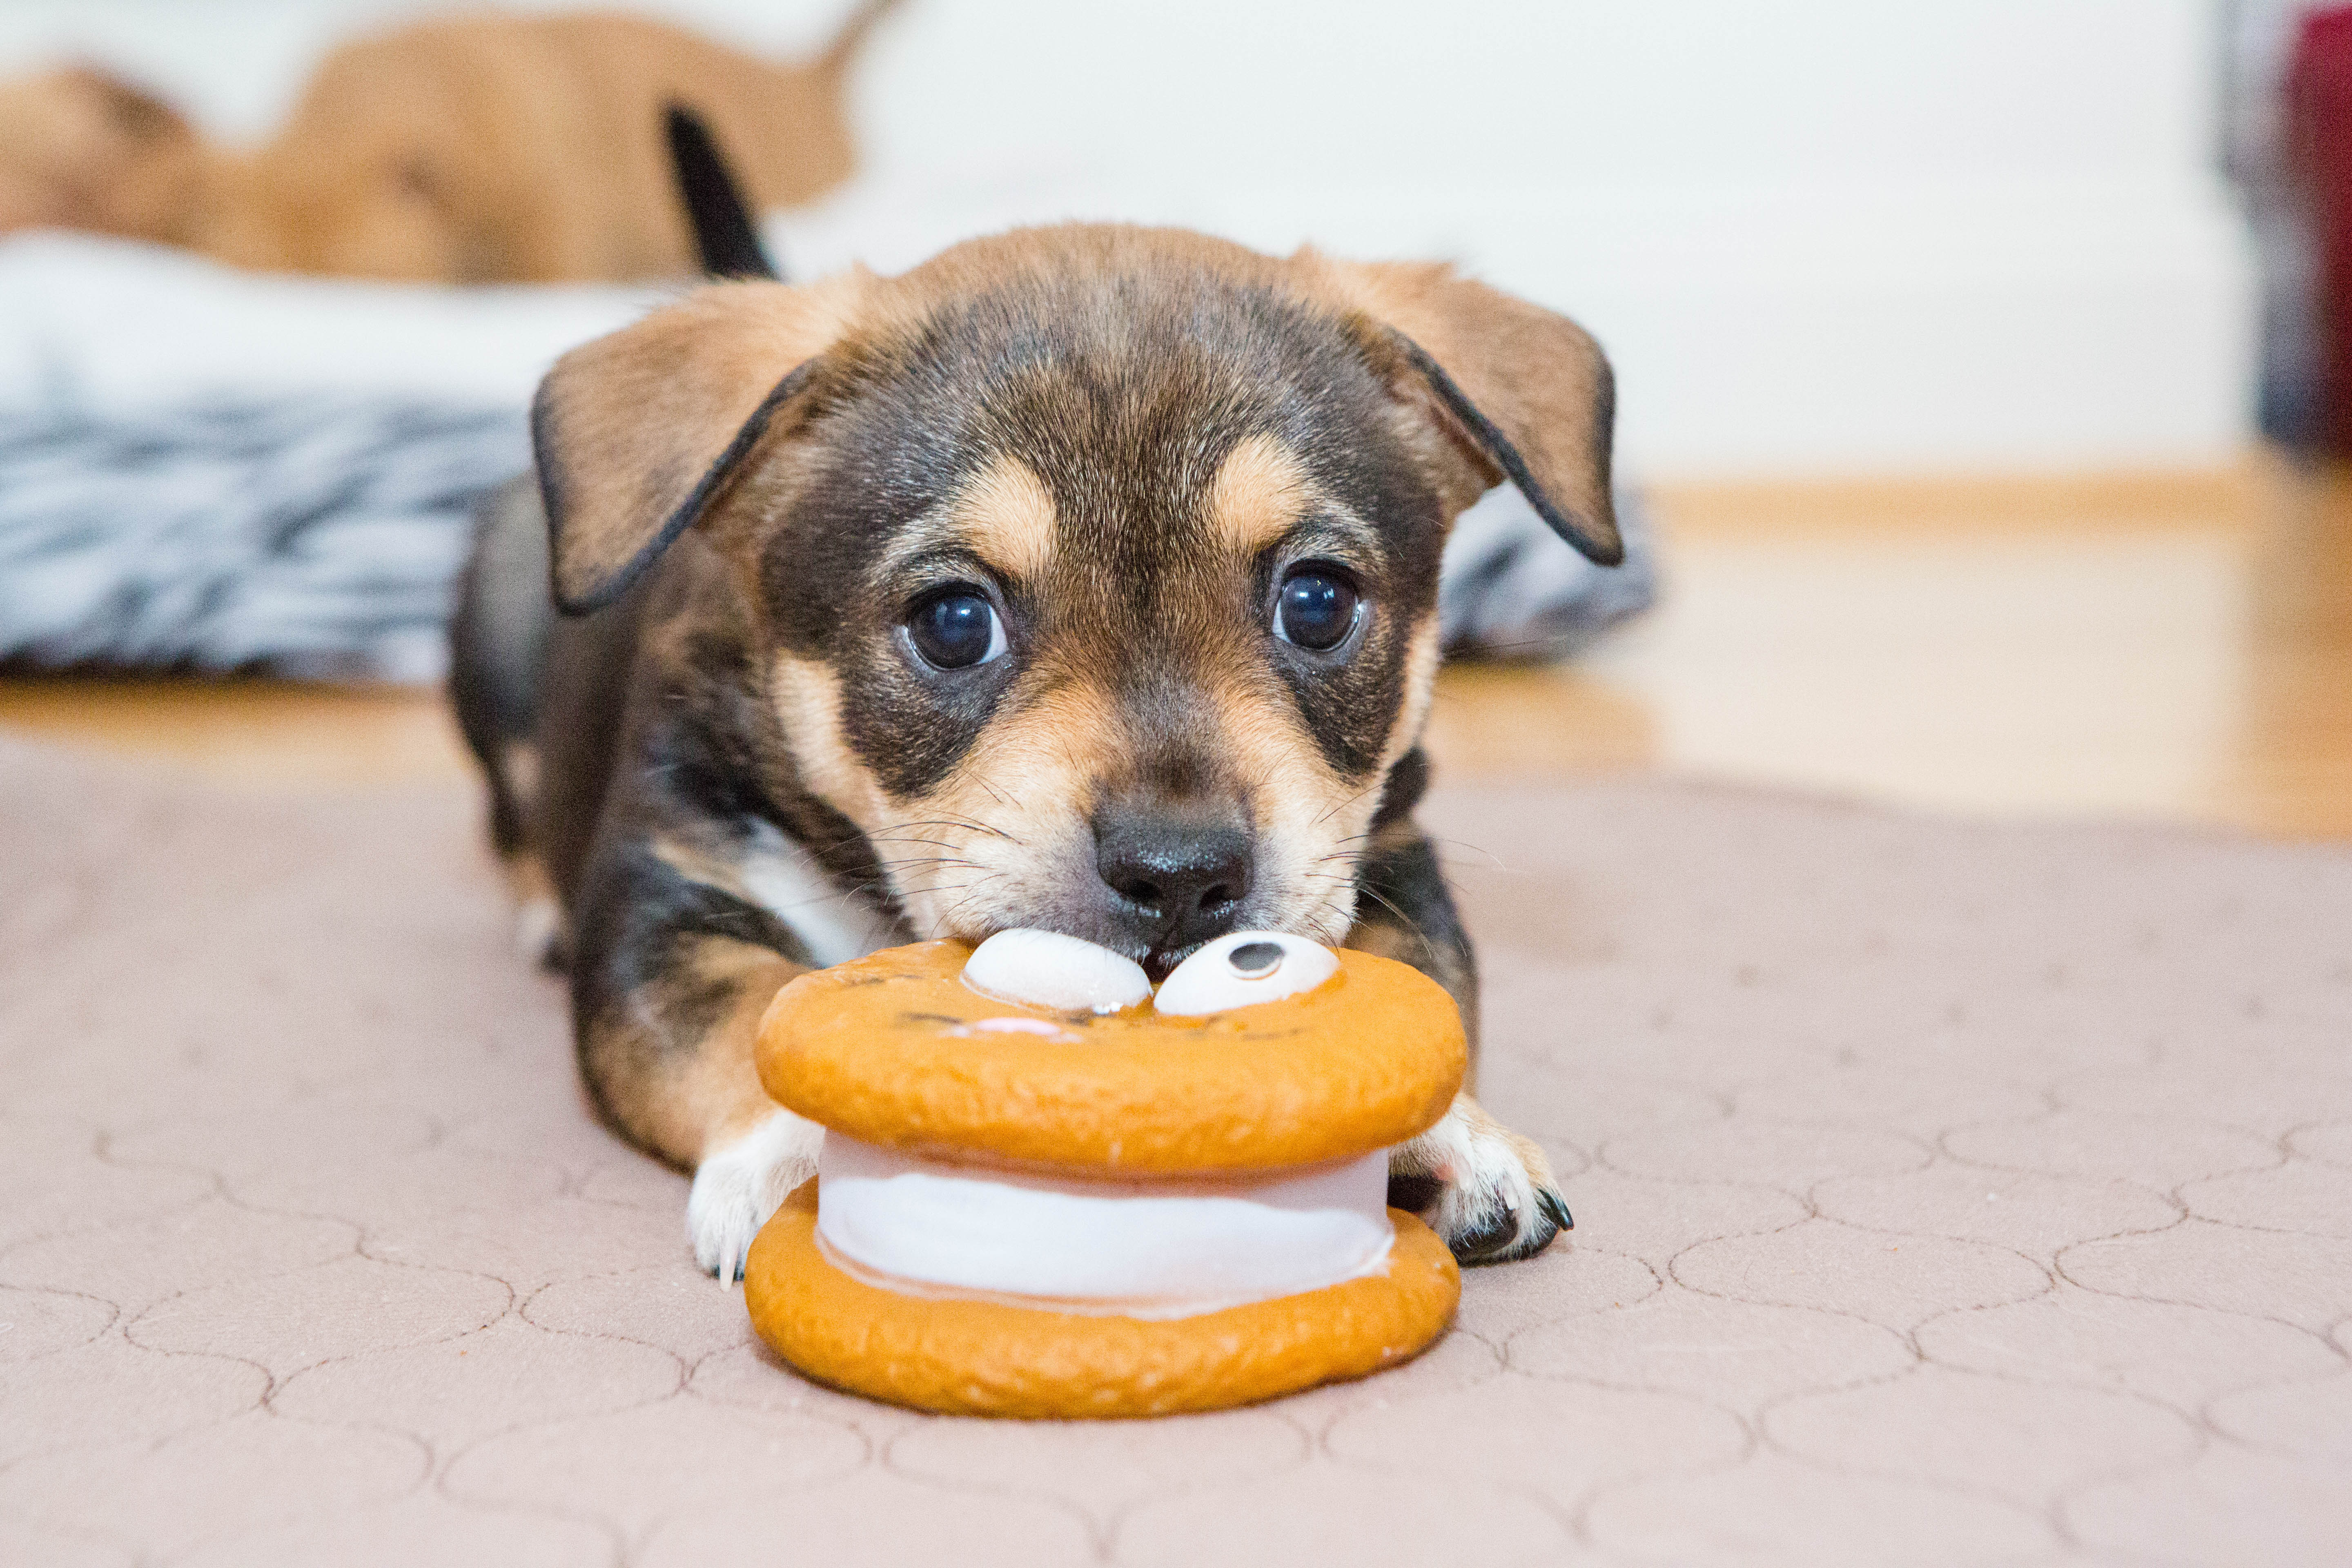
(741, 1183)
(1486, 1191)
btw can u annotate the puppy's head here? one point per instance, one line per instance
(1096, 569)
(82, 148)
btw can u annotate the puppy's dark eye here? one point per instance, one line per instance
(1317, 609)
(955, 630)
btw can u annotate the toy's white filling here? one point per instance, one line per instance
(1138, 1247)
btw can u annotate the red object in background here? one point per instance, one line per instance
(2318, 148)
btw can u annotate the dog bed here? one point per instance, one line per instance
(208, 470)
(1946, 1193)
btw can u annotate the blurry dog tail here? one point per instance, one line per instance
(725, 239)
(854, 29)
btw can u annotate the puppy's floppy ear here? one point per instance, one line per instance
(1522, 394)
(129, 107)
(638, 434)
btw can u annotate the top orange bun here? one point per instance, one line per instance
(878, 1049)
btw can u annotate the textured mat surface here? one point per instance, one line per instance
(1946, 1194)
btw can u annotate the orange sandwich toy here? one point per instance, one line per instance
(1046, 1192)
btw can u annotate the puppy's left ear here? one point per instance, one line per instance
(1517, 391)
(641, 435)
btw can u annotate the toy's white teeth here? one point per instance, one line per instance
(1139, 1247)
(1046, 968)
(1243, 969)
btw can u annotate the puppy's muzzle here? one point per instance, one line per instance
(1177, 877)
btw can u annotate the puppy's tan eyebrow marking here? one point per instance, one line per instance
(1259, 491)
(1003, 514)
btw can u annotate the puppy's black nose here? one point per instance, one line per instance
(1176, 879)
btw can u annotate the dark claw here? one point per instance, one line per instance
(1414, 1195)
(1499, 1241)
(1490, 1243)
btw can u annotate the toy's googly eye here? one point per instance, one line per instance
(1256, 960)
(1046, 968)
(1244, 970)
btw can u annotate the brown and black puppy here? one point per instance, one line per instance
(1082, 578)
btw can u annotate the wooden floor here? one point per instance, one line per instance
(2169, 647)
(2175, 647)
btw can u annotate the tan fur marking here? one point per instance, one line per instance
(1421, 657)
(703, 1099)
(527, 878)
(1385, 940)
(1007, 813)
(519, 763)
(964, 859)
(1259, 492)
(697, 863)
(1305, 813)
(1310, 821)
(1006, 515)
(808, 699)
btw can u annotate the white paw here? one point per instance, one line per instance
(1496, 1199)
(740, 1184)
(538, 929)
(538, 915)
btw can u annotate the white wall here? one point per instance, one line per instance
(1844, 234)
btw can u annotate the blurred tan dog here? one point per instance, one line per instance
(483, 149)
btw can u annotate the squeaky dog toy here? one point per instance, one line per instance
(1044, 1192)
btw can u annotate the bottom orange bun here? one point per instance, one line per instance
(967, 1357)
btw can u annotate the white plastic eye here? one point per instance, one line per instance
(1046, 968)
(1242, 970)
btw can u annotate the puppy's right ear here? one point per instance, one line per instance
(131, 109)
(638, 434)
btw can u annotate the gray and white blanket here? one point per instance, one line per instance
(210, 472)
(314, 537)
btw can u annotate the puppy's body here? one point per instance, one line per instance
(1005, 594)
(481, 149)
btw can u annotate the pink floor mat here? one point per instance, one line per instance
(1945, 1193)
